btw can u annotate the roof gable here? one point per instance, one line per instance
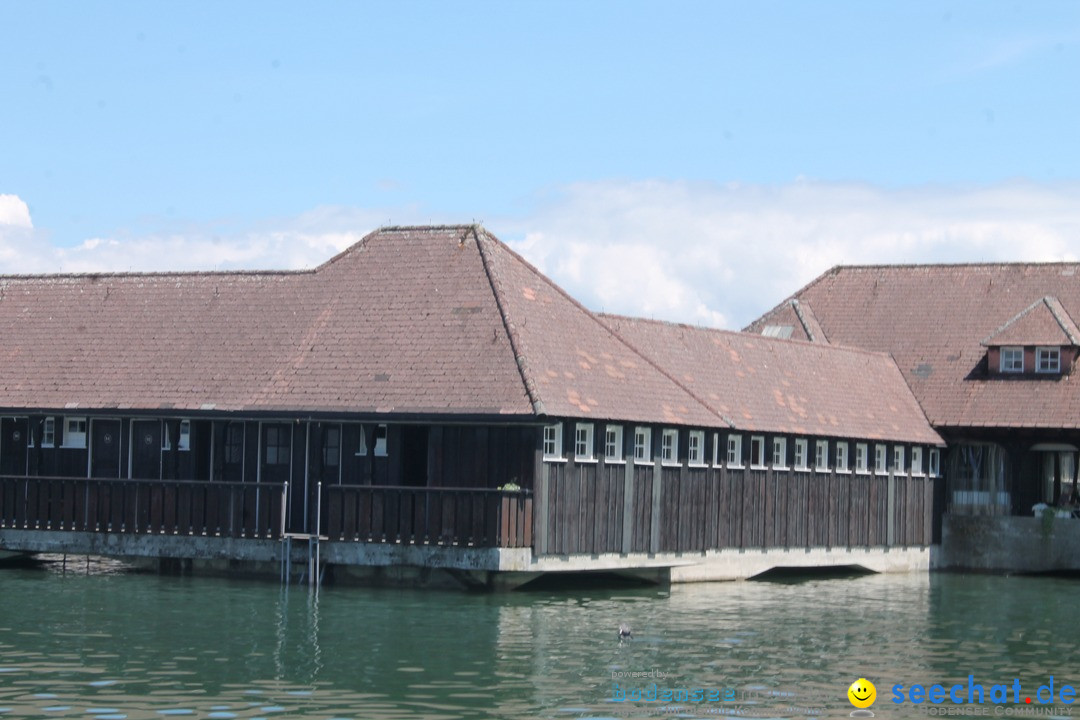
(1044, 322)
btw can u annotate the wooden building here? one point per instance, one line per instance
(989, 351)
(427, 398)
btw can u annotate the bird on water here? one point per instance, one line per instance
(625, 631)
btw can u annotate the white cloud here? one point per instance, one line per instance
(722, 255)
(698, 253)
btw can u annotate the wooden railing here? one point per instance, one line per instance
(428, 516)
(652, 508)
(148, 507)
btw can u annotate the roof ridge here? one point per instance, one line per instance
(495, 281)
(618, 337)
(1054, 306)
(91, 275)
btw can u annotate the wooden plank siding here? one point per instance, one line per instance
(717, 508)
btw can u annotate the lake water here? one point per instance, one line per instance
(108, 646)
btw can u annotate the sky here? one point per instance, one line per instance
(688, 161)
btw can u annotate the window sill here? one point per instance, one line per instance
(698, 465)
(843, 472)
(614, 461)
(759, 467)
(785, 468)
(586, 460)
(862, 472)
(918, 474)
(554, 459)
(646, 463)
(822, 470)
(669, 463)
(802, 469)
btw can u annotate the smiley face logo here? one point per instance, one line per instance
(862, 693)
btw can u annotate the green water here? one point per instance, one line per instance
(110, 646)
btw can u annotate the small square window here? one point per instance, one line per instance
(779, 452)
(74, 432)
(841, 457)
(898, 459)
(380, 441)
(935, 462)
(643, 444)
(1012, 360)
(696, 447)
(801, 452)
(583, 442)
(821, 455)
(669, 446)
(862, 458)
(881, 466)
(1048, 359)
(48, 433)
(916, 461)
(185, 436)
(553, 442)
(757, 451)
(613, 447)
(734, 451)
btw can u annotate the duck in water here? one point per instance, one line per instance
(625, 632)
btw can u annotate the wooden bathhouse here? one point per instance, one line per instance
(427, 405)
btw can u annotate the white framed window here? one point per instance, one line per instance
(553, 442)
(669, 447)
(898, 459)
(916, 461)
(935, 462)
(862, 458)
(801, 453)
(613, 447)
(583, 442)
(734, 451)
(779, 452)
(74, 432)
(1012, 360)
(380, 441)
(185, 436)
(361, 446)
(757, 451)
(695, 447)
(842, 457)
(48, 433)
(821, 455)
(716, 449)
(881, 460)
(1048, 359)
(642, 444)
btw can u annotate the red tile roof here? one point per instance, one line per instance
(1044, 322)
(766, 384)
(430, 321)
(933, 319)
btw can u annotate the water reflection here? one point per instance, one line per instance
(152, 647)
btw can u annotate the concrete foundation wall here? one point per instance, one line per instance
(1010, 544)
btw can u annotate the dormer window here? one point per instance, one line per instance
(1048, 359)
(1012, 360)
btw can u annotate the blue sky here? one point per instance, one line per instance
(666, 159)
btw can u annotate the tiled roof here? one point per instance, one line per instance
(429, 321)
(1044, 322)
(766, 384)
(933, 319)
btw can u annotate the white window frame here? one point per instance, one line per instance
(553, 442)
(881, 459)
(1008, 357)
(695, 448)
(842, 458)
(916, 461)
(48, 433)
(75, 439)
(1043, 357)
(584, 447)
(821, 456)
(669, 447)
(935, 463)
(757, 451)
(716, 449)
(802, 451)
(643, 445)
(381, 434)
(862, 458)
(362, 448)
(898, 460)
(779, 448)
(185, 437)
(734, 451)
(613, 444)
